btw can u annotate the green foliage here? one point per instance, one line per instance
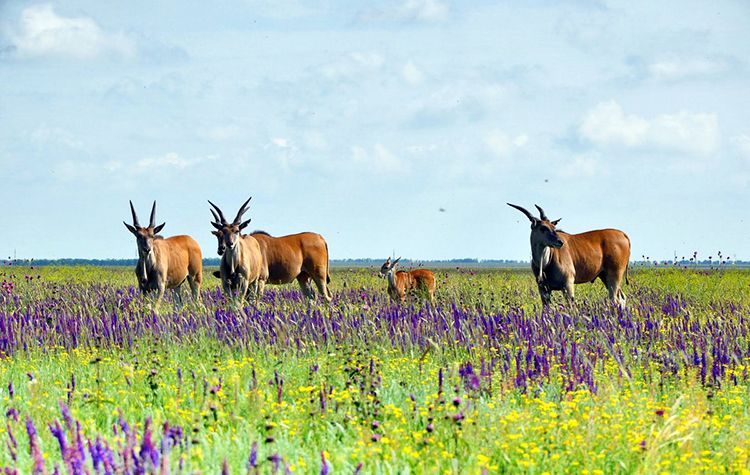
(361, 398)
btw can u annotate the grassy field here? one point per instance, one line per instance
(485, 381)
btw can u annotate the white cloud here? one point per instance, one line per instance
(425, 11)
(287, 152)
(352, 66)
(281, 142)
(695, 133)
(467, 99)
(742, 142)
(159, 166)
(581, 166)
(315, 141)
(166, 161)
(421, 149)
(675, 70)
(56, 136)
(42, 32)
(221, 133)
(412, 74)
(379, 159)
(502, 144)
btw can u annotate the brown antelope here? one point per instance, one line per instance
(559, 260)
(165, 263)
(241, 261)
(402, 283)
(302, 256)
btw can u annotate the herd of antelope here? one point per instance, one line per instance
(250, 261)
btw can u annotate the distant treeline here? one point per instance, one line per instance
(334, 262)
(465, 262)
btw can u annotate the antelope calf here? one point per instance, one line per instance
(560, 260)
(241, 261)
(165, 263)
(402, 283)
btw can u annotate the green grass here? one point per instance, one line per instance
(644, 422)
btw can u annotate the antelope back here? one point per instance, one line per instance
(404, 280)
(423, 277)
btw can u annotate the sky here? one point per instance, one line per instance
(395, 126)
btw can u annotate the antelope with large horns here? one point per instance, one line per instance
(302, 257)
(560, 260)
(403, 283)
(241, 261)
(165, 263)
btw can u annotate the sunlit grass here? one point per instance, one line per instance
(662, 387)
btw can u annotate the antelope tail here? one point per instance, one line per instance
(627, 266)
(328, 264)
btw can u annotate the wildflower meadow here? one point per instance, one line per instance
(94, 379)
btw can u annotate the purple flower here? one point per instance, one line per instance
(97, 456)
(80, 449)
(12, 413)
(59, 434)
(323, 464)
(67, 417)
(252, 461)
(148, 452)
(34, 450)
(12, 444)
(275, 459)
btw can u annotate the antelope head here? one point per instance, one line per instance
(227, 233)
(543, 231)
(219, 235)
(388, 267)
(144, 236)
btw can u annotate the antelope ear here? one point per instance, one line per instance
(217, 226)
(216, 233)
(158, 229)
(244, 225)
(556, 221)
(130, 228)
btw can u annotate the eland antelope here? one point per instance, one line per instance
(559, 260)
(402, 283)
(302, 257)
(241, 261)
(165, 263)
